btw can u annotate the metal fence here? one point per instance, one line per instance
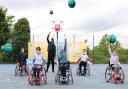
(92, 40)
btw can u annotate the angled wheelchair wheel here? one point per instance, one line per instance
(122, 75)
(16, 70)
(57, 77)
(30, 79)
(88, 70)
(45, 78)
(108, 74)
(70, 76)
(78, 71)
(44, 75)
(27, 70)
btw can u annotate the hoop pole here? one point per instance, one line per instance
(57, 44)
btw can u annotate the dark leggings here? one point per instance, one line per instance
(63, 68)
(84, 64)
(36, 71)
(50, 60)
(21, 66)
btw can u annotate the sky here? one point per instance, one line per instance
(87, 17)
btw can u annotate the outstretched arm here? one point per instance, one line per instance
(109, 50)
(48, 37)
(78, 61)
(65, 45)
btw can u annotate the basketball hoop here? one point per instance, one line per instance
(57, 27)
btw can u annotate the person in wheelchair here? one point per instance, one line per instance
(83, 61)
(114, 63)
(63, 61)
(22, 58)
(38, 61)
(114, 59)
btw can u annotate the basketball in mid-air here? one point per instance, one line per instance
(112, 38)
(51, 12)
(71, 3)
(7, 48)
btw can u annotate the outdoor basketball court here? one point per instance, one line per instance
(95, 81)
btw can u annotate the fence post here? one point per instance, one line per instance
(74, 45)
(33, 37)
(93, 47)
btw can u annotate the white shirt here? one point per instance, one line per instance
(38, 59)
(84, 57)
(114, 59)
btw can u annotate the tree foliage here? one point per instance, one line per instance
(6, 25)
(21, 36)
(17, 34)
(6, 22)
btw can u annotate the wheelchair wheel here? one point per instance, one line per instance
(88, 70)
(44, 75)
(78, 71)
(27, 70)
(122, 76)
(108, 74)
(57, 77)
(16, 70)
(70, 76)
(30, 79)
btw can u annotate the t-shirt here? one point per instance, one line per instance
(38, 59)
(84, 57)
(114, 59)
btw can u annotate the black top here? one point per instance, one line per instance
(22, 58)
(51, 48)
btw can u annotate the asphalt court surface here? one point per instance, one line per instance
(94, 81)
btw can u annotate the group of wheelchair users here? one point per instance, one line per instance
(37, 75)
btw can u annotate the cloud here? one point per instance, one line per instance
(27, 4)
(103, 16)
(87, 16)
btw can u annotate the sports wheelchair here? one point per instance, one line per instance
(64, 74)
(42, 77)
(114, 74)
(83, 71)
(21, 69)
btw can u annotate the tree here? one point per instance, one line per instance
(6, 23)
(21, 36)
